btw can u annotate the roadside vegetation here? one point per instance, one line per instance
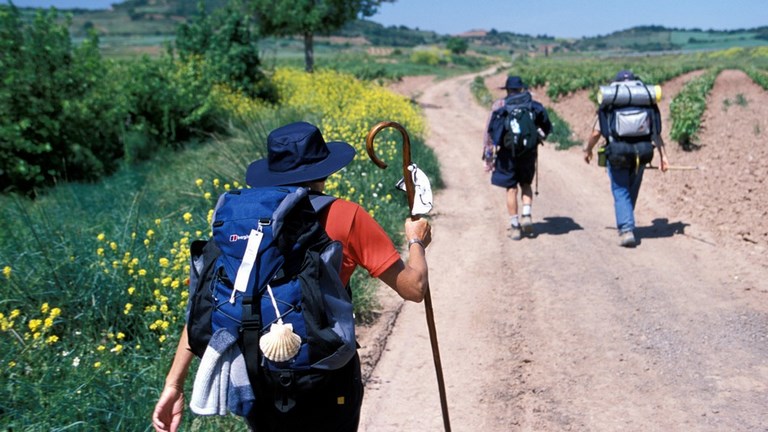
(112, 162)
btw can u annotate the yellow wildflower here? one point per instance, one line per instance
(163, 262)
(131, 290)
(120, 336)
(34, 324)
(187, 217)
(199, 182)
(113, 245)
(55, 312)
(116, 349)
(142, 272)
(52, 339)
(44, 308)
(101, 237)
(101, 348)
(97, 365)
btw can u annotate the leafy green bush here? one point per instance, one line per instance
(53, 126)
(68, 114)
(561, 131)
(431, 56)
(481, 93)
(457, 45)
(224, 39)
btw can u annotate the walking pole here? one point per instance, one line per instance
(674, 167)
(410, 192)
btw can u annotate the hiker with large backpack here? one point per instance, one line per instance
(628, 119)
(270, 307)
(516, 126)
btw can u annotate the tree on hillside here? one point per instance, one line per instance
(309, 17)
(457, 45)
(224, 39)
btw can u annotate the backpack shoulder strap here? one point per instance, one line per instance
(656, 122)
(604, 115)
(320, 201)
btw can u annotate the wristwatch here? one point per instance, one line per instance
(416, 241)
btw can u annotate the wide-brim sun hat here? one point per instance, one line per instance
(514, 83)
(297, 153)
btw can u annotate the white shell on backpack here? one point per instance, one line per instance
(280, 343)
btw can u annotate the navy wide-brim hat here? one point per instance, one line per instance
(514, 83)
(297, 153)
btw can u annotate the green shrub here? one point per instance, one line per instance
(53, 125)
(431, 57)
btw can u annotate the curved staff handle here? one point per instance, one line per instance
(411, 192)
(410, 189)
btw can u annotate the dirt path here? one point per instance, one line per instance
(568, 331)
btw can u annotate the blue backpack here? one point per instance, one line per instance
(271, 262)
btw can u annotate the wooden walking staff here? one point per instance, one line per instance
(410, 191)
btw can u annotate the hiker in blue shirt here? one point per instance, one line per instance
(626, 172)
(515, 167)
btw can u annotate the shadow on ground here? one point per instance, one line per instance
(661, 227)
(556, 225)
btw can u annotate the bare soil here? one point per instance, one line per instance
(568, 331)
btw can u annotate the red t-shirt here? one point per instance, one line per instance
(365, 242)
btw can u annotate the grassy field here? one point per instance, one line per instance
(93, 285)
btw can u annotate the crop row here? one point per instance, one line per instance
(687, 108)
(563, 77)
(760, 77)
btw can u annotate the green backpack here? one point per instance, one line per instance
(521, 135)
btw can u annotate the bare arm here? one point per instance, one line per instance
(594, 137)
(170, 406)
(411, 280)
(664, 165)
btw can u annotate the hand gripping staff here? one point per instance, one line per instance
(410, 190)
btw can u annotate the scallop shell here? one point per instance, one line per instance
(281, 343)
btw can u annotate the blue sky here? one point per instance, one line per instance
(560, 18)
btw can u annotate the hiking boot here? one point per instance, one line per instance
(526, 224)
(627, 239)
(515, 233)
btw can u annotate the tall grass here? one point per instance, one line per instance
(94, 276)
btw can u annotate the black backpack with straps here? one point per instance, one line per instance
(513, 126)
